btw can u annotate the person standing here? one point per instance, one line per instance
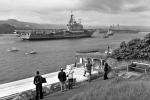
(85, 68)
(62, 78)
(106, 70)
(70, 78)
(38, 83)
(89, 69)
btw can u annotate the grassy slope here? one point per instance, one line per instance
(116, 89)
(135, 88)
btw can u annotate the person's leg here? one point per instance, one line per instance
(71, 83)
(84, 72)
(64, 85)
(105, 76)
(37, 92)
(90, 76)
(41, 91)
(61, 86)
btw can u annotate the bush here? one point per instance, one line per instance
(134, 49)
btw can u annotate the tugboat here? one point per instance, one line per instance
(13, 49)
(74, 30)
(108, 33)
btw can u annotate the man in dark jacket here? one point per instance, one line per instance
(38, 83)
(106, 70)
(62, 78)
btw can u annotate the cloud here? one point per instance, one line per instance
(102, 6)
(91, 11)
(116, 6)
(139, 9)
(35, 5)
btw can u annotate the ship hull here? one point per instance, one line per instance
(59, 35)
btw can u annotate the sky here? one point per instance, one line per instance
(91, 12)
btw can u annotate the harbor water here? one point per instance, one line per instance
(51, 54)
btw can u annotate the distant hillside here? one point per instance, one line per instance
(27, 25)
(6, 29)
(139, 28)
(12, 24)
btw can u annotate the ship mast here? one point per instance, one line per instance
(73, 25)
(71, 21)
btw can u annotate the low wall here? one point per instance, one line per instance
(48, 88)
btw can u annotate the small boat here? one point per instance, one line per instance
(105, 36)
(31, 52)
(13, 49)
(108, 51)
(108, 33)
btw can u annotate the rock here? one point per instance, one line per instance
(46, 90)
(18, 98)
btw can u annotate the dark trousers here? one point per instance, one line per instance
(89, 78)
(70, 83)
(105, 75)
(39, 91)
(84, 73)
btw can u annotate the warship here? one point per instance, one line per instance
(74, 30)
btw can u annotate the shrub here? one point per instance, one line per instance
(134, 49)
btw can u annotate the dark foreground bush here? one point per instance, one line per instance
(134, 49)
(116, 90)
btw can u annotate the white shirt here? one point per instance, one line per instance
(70, 74)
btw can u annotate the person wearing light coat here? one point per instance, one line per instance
(70, 77)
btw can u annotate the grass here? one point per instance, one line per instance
(116, 89)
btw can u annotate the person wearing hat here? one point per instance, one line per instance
(38, 83)
(62, 78)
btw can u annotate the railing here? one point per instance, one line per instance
(143, 66)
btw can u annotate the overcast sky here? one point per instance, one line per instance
(92, 12)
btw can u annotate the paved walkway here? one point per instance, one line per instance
(27, 84)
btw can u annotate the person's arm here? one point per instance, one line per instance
(72, 71)
(64, 74)
(34, 80)
(58, 75)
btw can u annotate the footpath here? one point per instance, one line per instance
(16, 87)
